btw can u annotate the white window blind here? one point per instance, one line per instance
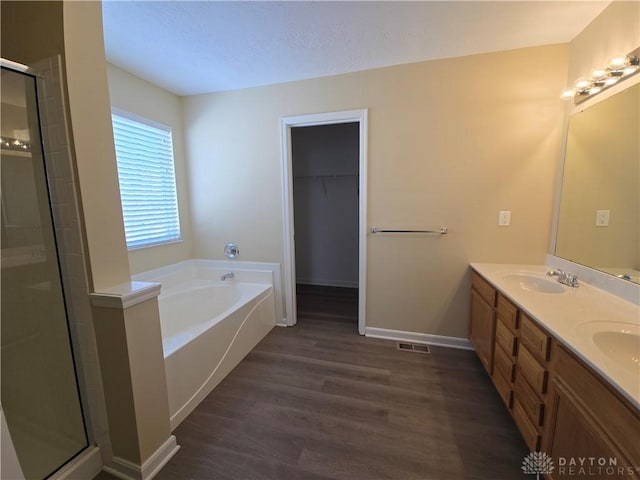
(147, 182)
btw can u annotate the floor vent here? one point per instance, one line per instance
(413, 347)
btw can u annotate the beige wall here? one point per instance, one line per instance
(129, 342)
(149, 382)
(616, 31)
(130, 347)
(451, 142)
(21, 20)
(93, 141)
(134, 95)
(116, 376)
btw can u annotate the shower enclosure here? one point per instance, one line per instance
(39, 388)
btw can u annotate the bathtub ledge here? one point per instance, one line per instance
(125, 295)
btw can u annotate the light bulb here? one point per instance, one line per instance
(630, 69)
(617, 62)
(582, 83)
(594, 90)
(568, 94)
(610, 81)
(598, 73)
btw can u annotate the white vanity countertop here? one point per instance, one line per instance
(572, 316)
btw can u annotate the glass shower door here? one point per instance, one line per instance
(39, 389)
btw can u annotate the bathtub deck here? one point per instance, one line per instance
(318, 401)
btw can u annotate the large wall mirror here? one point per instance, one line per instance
(599, 220)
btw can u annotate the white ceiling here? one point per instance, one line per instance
(192, 47)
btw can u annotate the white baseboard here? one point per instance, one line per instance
(86, 465)
(424, 338)
(160, 457)
(124, 469)
(127, 470)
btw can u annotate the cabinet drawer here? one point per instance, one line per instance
(504, 364)
(507, 312)
(486, 291)
(506, 339)
(535, 339)
(529, 368)
(529, 401)
(503, 387)
(528, 431)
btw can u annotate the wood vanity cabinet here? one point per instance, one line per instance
(587, 418)
(560, 405)
(483, 319)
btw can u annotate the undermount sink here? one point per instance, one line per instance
(535, 283)
(617, 340)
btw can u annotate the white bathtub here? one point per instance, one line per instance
(209, 325)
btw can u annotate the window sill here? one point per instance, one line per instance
(151, 245)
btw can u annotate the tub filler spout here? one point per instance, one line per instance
(226, 276)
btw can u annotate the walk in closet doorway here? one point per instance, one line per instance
(324, 165)
(325, 199)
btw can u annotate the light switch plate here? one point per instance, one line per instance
(504, 218)
(602, 218)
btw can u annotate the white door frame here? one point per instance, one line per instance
(286, 123)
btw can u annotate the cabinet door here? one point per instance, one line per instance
(482, 328)
(574, 436)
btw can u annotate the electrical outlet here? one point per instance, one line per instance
(602, 218)
(504, 218)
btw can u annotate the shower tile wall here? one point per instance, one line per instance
(61, 178)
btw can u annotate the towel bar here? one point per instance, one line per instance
(439, 230)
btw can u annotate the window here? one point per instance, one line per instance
(144, 152)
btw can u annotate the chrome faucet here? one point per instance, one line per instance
(565, 278)
(226, 275)
(556, 273)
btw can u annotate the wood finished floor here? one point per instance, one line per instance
(318, 401)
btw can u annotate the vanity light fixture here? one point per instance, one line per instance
(619, 68)
(14, 144)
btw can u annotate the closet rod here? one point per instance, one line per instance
(439, 230)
